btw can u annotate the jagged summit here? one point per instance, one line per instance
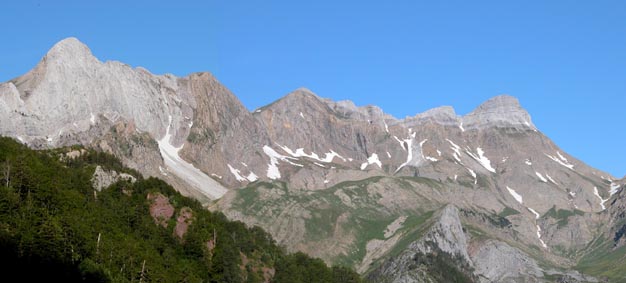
(499, 111)
(72, 58)
(313, 155)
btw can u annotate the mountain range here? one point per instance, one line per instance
(487, 192)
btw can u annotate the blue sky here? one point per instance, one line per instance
(564, 60)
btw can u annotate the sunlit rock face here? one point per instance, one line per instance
(329, 156)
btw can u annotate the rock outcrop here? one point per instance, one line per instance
(161, 209)
(294, 160)
(496, 261)
(102, 178)
(445, 236)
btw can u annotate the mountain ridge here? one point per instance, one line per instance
(283, 166)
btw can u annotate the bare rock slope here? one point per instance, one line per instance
(349, 184)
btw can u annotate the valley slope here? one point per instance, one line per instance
(351, 185)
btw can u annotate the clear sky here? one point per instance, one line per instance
(565, 60)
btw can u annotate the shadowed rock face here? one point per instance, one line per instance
(194, 133)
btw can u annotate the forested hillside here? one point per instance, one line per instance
(55, 226)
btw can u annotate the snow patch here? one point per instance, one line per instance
(561, 160)
(422, 151)
(461, 127)
(409, 149)
(439, 153)
(431, 158)
(326, 181)
(543, 244)
(614, 188)
(318, 164)
(272, 169)
(473, 175)
(301, 115)
(457, 151)
(216, 176)
(328, 158)
(454, 147)
(386, 126)
(543, 179)
(236, 173)
(602, 201)
(482, 159)
(515, 195)
(372, 160)
(388, 154)
(92, 118)
(550, 178)
(537, 215)
(187, 171)
(527, 161)
(162, 171)
(252, 177)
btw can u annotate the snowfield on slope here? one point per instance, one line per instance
(372, 160)
(185, 170)
(482, 159)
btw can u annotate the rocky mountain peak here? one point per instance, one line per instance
(500, 101)
(301, 100)
(69, 50)
(499, 111)
(301, 94)
(304, 91)
(196, 134)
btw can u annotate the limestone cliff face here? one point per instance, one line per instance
(327, 155)
(70, 89)
(71, 97)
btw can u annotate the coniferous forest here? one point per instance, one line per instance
(55, 226)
